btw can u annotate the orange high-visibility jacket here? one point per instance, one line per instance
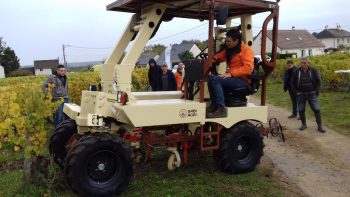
(178, 78)
(241, 64)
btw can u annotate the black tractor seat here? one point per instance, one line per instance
(238, 96)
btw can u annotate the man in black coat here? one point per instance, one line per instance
(154, 74)
(287, 87)
(306, 83)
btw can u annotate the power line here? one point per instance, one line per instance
(74, 55)
(81, 47)
(179, 33)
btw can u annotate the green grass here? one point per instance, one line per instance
(335, 106)
(11, 184)
(200, 178)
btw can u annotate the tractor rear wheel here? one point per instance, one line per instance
(99, 165)
(59, 140)
(241, 148)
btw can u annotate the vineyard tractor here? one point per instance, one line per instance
(114, 128)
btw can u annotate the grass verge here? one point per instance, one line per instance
(200, 178)
(335, 106)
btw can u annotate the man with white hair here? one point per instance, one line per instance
(306, 83)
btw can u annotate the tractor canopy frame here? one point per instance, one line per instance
(204, 10)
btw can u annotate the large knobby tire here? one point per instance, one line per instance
(59, 140)
(241, 148)
(99, 165)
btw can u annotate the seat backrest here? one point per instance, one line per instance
(255, 77)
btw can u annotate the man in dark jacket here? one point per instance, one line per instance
(306, 83)
(154, 74)
(168, 80)
(287, 87)
(59, 91)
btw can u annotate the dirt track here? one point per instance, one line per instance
(318, 163)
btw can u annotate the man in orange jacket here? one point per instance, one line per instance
(240, 63)
(178, 75)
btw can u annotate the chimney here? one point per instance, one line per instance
(338, 26)
(293, 27)
(326, 27)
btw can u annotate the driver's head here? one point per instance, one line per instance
(233, 38)
(61, 70)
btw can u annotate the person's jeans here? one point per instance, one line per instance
(311, 98)
(59, 113)
(293, 98)
(217, 85)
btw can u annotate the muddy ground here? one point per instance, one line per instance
(317, 163)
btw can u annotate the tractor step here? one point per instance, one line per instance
(213, 136)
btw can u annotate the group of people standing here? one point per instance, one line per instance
(163, 79)
(303, 85)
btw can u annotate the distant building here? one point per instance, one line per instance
(29, 70)
(2, 72)
(170, 55)
(45, 67)
(144, 58)
(300, 42)
(332, 38)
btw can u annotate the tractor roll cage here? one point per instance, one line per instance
(205, 10)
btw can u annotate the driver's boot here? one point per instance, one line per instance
(219, 112)
(212, 107)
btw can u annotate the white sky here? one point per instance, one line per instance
(36, 29)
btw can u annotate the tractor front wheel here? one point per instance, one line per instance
(59, 140)
(241, 148)
(99, 165)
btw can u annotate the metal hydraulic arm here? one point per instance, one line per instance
(117, 77)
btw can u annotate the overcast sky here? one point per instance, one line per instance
(37, 29)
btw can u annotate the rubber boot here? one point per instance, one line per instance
(319, 122)
(303, 121)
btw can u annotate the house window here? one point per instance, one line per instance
(348, 40)
(302, 53)
(41, 69)
(337, 40)
(310, 52)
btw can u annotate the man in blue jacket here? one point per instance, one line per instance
(167, 80)
(287, 87)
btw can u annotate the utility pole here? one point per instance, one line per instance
(64, 56)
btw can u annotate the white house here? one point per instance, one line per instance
(332, 38)
(170, 55)
(300, 42)
(2, 72)
(45, 67)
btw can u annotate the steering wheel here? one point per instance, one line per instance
(202, 55)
